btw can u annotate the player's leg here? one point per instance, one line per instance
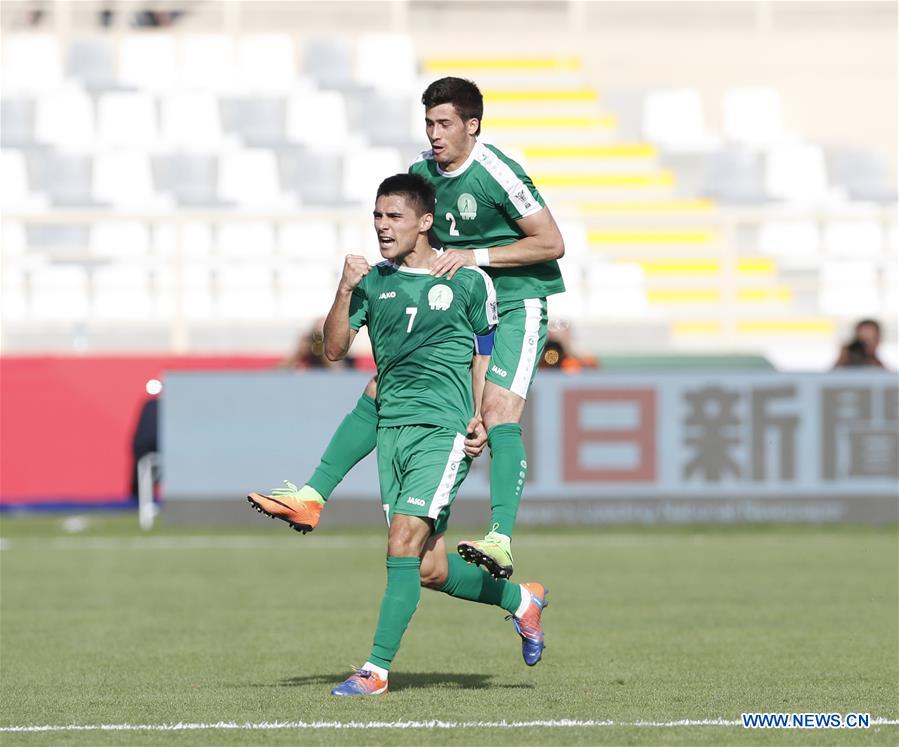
(518, 345)
(416, 468)
(353, 440)
(455, 577)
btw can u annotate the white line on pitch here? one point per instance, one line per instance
(270, 725)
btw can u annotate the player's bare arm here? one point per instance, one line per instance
(337, 331)
(542, 242)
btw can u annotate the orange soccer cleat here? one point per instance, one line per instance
(299, 508)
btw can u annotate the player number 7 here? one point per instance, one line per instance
(411, 311)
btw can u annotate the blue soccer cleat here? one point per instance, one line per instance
(361, 682)
(528, 625)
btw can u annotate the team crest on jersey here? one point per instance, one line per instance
(440, 297)
(468, 206)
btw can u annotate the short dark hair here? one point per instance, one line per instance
(869, 323)
(416, 189)
(463, 94)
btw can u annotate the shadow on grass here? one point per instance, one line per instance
(413, 680)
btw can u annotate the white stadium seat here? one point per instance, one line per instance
(31, 63)
(674, 119)
(65, 118)
(148, 62)
(192, 121)
(127, 120)
(59, 293)
(317, 119)
(387, 61)
(365, 169)
(13, 179)
(207, 62)
(123, 179)
(119, 239)
(791, 239)
(616, 290)
(266, 63)
(246, 240)
(797, 173)
(854, 238)
(249, 178)
(753, 116)
(306, 239)
(121, 291)
(848, 288)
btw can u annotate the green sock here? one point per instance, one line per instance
(353, 440)
(400, 600)
(508, 468)
(467, 581)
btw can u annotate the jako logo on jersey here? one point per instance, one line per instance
(440, 297)
(468, 206)
(499, 371)
(415, 501)
(387, 294)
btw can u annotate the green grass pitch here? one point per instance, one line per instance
(112, 626)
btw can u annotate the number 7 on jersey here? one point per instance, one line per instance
(411, 311)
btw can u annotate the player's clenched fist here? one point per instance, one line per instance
(354, 269)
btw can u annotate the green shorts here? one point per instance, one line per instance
(420, 468)
(518, 345)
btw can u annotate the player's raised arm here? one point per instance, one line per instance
(338, 331)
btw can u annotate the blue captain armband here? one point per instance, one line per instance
(483, 344)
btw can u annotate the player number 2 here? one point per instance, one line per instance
(411, 311)
(452, 219)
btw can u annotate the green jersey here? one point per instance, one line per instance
(477, 206)
(422, 332)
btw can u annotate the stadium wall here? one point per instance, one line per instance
(66, 422)
(602, 448)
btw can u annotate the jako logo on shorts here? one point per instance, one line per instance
(415, 501)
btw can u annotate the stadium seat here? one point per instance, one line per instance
(16, 122)
(304, 291)
(64, 118)
(127, 120)
(317, 119)
(734, 175)
(249, 178)
(797, 173)
(854, 239)
(59, 293)
(92, 62)
(863, 172)
(849, 288)
(794, 242)
(384, 117)
(190, 179)
(191, 289)
(615, 290)
(387, 62)
(121, 292)
(124, 179)
(673, 118)
(14, 239)
(120, 240)
(328, 61)
(13, 180)
(196, 241)
(245, 240)
(753, 117)
(257, 121)
(308, 239)
(192, 121)
(207, 62)
(31, 63)
(64, 178)
(148, 62)
(13, 303)
(244, 292)
(365, 169)
(316, 177)
(266, 63)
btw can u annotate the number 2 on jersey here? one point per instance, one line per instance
(452, 219)
(411, 311)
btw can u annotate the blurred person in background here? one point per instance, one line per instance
(862, 349)
(310, 351)
(558, 353)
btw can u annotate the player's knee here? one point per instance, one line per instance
(405, 539)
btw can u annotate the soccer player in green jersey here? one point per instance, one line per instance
(421, 329)
(488, 214)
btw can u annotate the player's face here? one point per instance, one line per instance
(451, 137)
(398, 226)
